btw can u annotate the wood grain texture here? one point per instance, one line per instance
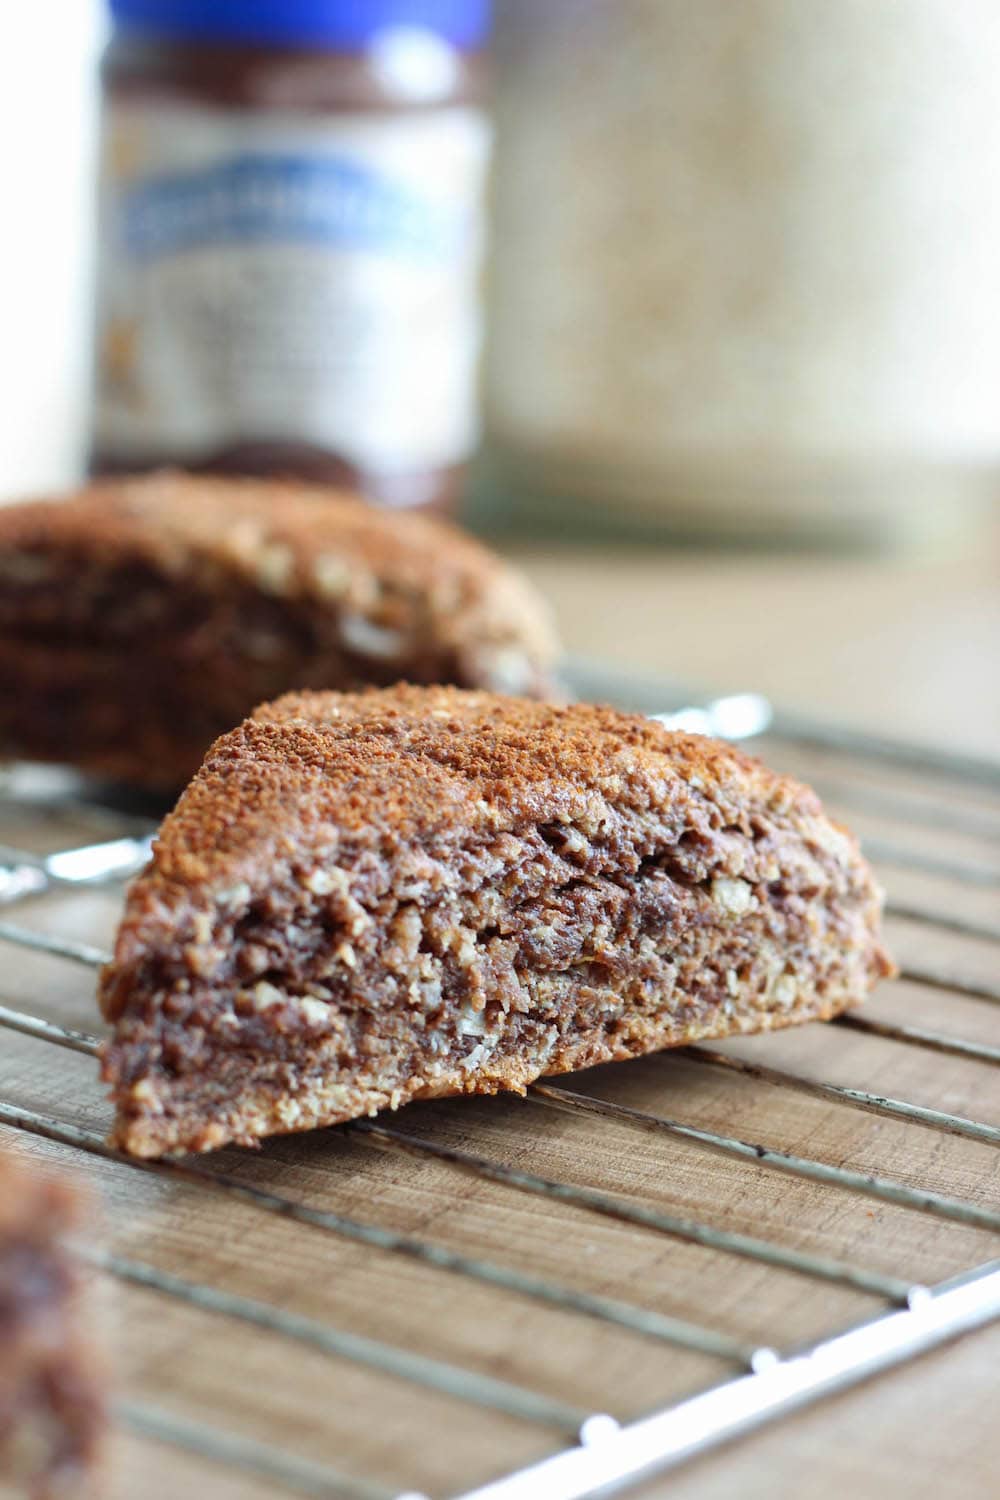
(928, 1429)
(907, 644)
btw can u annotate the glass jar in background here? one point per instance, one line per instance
(291, 231)
(747, 267)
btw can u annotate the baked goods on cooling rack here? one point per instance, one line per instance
(52, 1409)
(370, 898)
(141, 618)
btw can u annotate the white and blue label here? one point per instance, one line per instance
(280, 198)
(269, 278)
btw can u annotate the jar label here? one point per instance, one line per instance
(268, 278)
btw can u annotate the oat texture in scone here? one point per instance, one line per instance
(368, 898)
(53, 1408)
(141, 618)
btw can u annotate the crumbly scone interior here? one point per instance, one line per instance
(579, 928)
(351, 627)
(51, 1402)
(140, 620)
(269, 574)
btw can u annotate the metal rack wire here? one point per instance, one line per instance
(601, 1455)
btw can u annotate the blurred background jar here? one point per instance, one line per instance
(290, 237)
(747, 273)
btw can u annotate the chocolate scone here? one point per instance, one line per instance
(370, 898)
(52, 1408)
(141, 618)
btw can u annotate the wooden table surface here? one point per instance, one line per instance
(909, 645)
(911, 648)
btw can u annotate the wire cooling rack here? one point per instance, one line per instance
(930, 821)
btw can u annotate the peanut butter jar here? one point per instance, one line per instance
(291, 230)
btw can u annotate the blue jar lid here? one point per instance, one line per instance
(337, 25)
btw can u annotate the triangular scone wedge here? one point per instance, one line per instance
(143, 616)
(370, 898)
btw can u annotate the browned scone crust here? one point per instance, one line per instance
(52, 1405)
(141, 618)
(365, 899)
